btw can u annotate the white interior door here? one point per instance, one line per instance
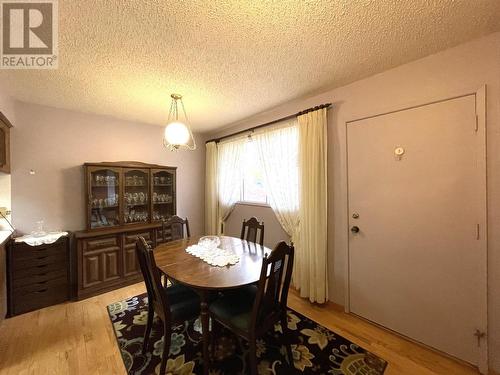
(416, 192)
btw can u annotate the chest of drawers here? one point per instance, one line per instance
(37, 276)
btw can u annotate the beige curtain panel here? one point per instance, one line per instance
(211, 204)
(311, 269)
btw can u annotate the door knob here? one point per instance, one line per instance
(355, 229)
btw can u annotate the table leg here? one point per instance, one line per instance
(205, 326)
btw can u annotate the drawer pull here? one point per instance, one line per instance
(42, 266)
(41, 274)
(41, 290)
(42, 282)
(46, 256)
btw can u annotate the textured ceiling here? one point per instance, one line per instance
(232, 59)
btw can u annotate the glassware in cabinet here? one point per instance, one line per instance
(163, 194)
(136, 196)
(104, 197)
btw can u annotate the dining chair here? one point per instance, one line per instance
(172, 305)
(250, 228)
(254, 311)
(176, 225)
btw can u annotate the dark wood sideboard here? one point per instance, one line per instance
(124, 200)
(37, 276)
(106, 260)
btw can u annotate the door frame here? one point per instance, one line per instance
(480, 98)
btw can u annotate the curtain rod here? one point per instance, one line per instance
(217, 140)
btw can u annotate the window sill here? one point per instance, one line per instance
(257, 204)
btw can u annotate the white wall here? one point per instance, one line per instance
(56, 142)
(458, 70)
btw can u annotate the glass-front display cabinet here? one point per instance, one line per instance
(104, 192)
(163, 198)
(128, 193)
(136, 196)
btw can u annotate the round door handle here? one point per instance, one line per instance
(355, 229)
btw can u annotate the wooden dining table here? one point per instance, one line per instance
(172, 259)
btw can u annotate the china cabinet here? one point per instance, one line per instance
(128, 193)
(124, 200)
(5, 126)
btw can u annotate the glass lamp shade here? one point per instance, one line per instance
(177, 134)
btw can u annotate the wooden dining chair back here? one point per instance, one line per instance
(252, 311)
(270, 303)
(250, 228)
(174, 304)
(178, 227)
(157, 297)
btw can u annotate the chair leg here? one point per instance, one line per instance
(149, 324)
(253, 355)
(286, 334)
(213, 335)
(166, 348)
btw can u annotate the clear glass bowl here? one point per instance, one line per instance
(209, 242)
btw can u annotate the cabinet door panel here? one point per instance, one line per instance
(111, 265)
(103, 201)
(136, 196)
(163, 194)
(92, 274)
(130, 264)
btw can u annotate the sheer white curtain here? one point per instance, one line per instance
(211, 198)
(229, 177)
(278, 154)
(311, 272)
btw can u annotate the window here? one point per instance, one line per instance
(253, 189)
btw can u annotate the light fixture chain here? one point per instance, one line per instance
(176, 110)
(172, 109)
(193, 146)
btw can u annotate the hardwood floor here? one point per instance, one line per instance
(77, 338)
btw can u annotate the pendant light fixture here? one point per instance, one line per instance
(178, 134)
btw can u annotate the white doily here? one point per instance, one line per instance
(49, 238)
(214, 257)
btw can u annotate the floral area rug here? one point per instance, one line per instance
(316, 350)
